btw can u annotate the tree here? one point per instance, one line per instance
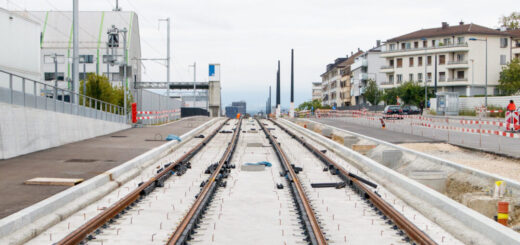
(314, 104)
(511, 22)
(372, 92)
(98, 87)
(410, 93)
(390, 96)
(509, 82)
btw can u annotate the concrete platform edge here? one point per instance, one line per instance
(17, 228)
(490, 176)
(472, 219)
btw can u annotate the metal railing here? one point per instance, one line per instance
(457, 62)
(453, 79)
(454, 45)
(18, 90)
(387, 67)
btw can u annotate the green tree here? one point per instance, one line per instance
(509, 82)
(512, 21)
(98, 87)
(390, 96)
(410, 93)
(372, 92)
(308, 105)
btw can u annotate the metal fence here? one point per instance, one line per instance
(18, 90)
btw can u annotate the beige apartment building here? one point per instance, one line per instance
(515, 44)
(336, 81)
(316, 91)
(452, 57)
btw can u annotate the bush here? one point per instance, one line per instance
(98, 87)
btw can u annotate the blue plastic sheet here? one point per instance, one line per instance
(173, 137)
(267, 164)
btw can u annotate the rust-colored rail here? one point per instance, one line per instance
(95, 223)
(311, 224)
(402, 222)
(188, 223)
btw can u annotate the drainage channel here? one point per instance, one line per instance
(110, 215)
(377, 209)
(313, 232)
(219, 173)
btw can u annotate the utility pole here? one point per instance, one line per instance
(291, 112)
(117, 8)
(278, 109)
(167, 54)
(75, 52)
(125, 61)
(194, 82)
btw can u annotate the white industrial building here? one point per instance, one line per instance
(19, 47)
(56, 39)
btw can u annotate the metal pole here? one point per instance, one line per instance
(55, 80)
(425, 106)
(125, 86)
(75, 52)
(486, 92)
(194, 83)
(168, 57)
(84, 82)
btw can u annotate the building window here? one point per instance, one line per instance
(410, 77)
(86, 58)
(447, 41)
(419, 77)
(391, 63)
(460, 40)
(419, 61)
(399, 78)
(403, 45)
(391, 78)
(399, 63)
(411, 61)
(433, 43)
(503, 42)
(442, 59)
(460, 74)
(442, 76)
(460, 57)
(49, 76)
(428, 76)
(503, 59)
(392, 46)
(425, 44)
(415, 44)
(408, 46)
(429, 60)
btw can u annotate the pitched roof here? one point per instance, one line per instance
(447, 30)
(515, 33)
(343, 62)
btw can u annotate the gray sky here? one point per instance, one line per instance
(247, 37)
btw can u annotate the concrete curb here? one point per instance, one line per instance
(469, 170)
(29, 222)
(494, 231)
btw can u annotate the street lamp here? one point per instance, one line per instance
(485, 92)
(425, 106)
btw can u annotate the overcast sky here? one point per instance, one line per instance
(247, 37)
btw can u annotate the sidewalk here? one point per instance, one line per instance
(84, 159)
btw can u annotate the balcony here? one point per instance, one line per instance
(387, 69)
(452, 64)
(442, 79)
(361, 62)
(451, 47)
(363, 76)
(454, 79)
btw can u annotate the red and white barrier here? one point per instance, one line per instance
(158, 114)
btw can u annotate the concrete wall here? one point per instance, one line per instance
(469, 103)
(24, 130)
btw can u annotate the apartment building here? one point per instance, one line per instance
(451, 57)
(366, 67)
(336, 81)
(316, 91)
(515, 43)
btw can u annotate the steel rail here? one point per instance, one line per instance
(311, 224)
(402, 222)
(78, 235)
(188, 224)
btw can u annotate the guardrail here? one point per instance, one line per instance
(18, 90)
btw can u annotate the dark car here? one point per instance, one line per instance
(411, 110)
(392, 111)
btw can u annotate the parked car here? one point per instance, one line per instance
(392, 111)
(411, 110)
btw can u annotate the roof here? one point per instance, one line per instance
(447, 30)
(343, 62)
(515, 33)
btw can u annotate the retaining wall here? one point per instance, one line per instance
(24, 129)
